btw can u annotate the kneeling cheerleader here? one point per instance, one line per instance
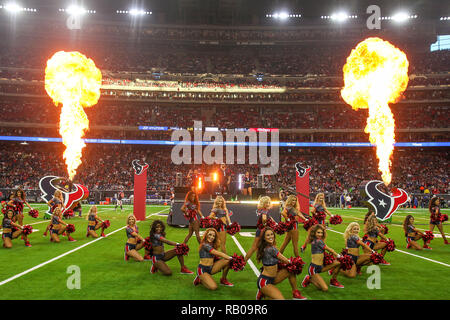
(371, 238)
(412, 235)
(316, 237)
(8, 233)
(95, 223)
(159, 256)
(135, 241)
(208, 251)
(57, 227)
(271, 275)
(353, 242)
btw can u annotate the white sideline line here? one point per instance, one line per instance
(250, 262)
(64, 254)
(415, 255)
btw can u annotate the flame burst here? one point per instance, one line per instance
(376, 74)
(73, 80)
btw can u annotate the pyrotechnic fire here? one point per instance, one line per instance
(73, 80)
(376, 73)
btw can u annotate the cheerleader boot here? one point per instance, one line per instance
(296, 295)
(27, 244)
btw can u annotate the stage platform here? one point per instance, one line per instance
(244, 212)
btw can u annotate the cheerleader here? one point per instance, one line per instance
(319, 210)
(291, 212)
(316, 237)
(247, 184)
(94, 223)
(352, 244)
(58, 226)
(271, 275)
(435, 217)
(12, 230)
(135, 241)
(191, 208)
(78, 209)
(208, 250)
(18, 203)
(159, 256)
(372, 231)
(262, 213)
(56, 202)
(5, 204)
(412, 234)
(220, 211)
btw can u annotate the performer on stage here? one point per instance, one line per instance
(56, 202)
(57, 226)
(135, 241)
(208, 250)
(18, 203)
(263, 216)
(352, 243)
(191, 210)
(372, 231)
(12, 230)
(291, 213)
(94, 223)
(271, 275)
(159, 256)
(247, 184)
(316, 237)
(435, 217)
(412, 235)
(319, 210)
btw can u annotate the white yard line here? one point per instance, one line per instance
(250, 262)
(64, 254)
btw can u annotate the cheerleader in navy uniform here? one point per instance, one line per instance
(18, 203)
(319, 210)
(8, 233)
(291, 213)
(271, 275)
(208, 250)
(159, 256)
(6, 204)
(94, 223)
(56, 202)
(220, 211)
(352, 244)
(316, 237)
(58, 226)
(262, 213)
(191, 210)
(435, 217)
(135, 241)
(412, 234)
(372, 231)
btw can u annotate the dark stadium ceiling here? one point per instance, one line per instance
(241, 12)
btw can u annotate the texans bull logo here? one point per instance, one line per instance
(302, 171)
(72, 193)
(384, 205)
(138, 168)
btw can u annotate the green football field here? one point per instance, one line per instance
(41, 272)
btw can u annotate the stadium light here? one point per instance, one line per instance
(15, 8)
(444, 18)
(283, 15)
(75, 10)
(134, 12)
(339, 16)
(400, 17)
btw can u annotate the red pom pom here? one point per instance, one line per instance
(428, 236)
(281, 265)
(70, 228)
(296, 265)
(328, 258)
(216, 224)
(147, 244)
(365, 238)
(336, 219)
(290, 224)
(271, 224)
(33, 213)
(181, 249)
(444, 217)
(376, 258)
(237, 263)
(205, 222)
(309, 223)
(106, 224)
(233, 228)
(280, 228)
(320, 215)
(390, 245)
(27, 229)
(346, 262)
(68, 213)
(385, 229)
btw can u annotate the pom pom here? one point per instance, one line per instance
(308, 224)
(320, 215)
(271, 223)
(33, 213)
(296, 265)
(216, 224)
(444, 217)
(344, 252)
(428, 236)
(336, 219)
(27, 229)
(181, 249)
(70, 228)
(205, 222)
(281, 265)
(364, 239)
(190, 214)
(385, 228)
(376, 258)
(233, 228)
(68, 213)
(328, 258)
(237, 263)
(290, 224)
(148, 244)
(280, 228)
(106, 224)
(390, 245)
(346, 262)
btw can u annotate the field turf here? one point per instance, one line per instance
(40, 272)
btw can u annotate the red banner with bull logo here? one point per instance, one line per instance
(302, 187)
(140, 189)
